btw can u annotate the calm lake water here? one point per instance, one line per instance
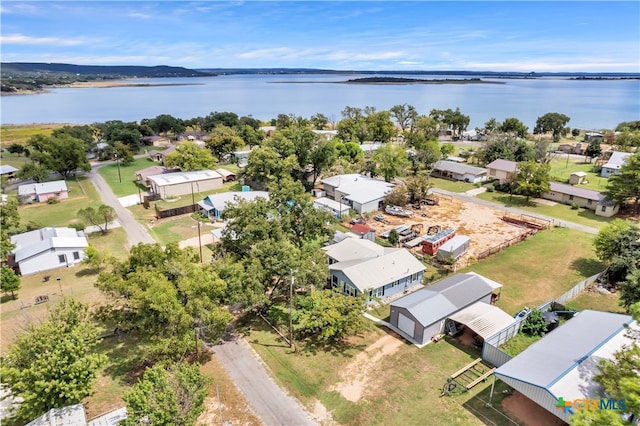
(590, 104)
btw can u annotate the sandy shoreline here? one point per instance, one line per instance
(96, 84)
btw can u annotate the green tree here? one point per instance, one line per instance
(52, 364)
(100, 217)
(397, 197)
(9, 224)
(394, 238)
(228, 119)
(319, 121)
(391, 161)
(16, 148)
(418, 187)
(123, 153)
(165, 123)
(379, 126)
(265, 166)
(86, 134)
(349, 151)
(625, 186)
(446, 150)
(189, 156)
(9, 281)
(534, 325)
(593, 150)
(33, 171)
(251, 137)
(405, 115)
(63, 154)
(173, 396)
(532, 179)
(552, 122)
(328, 316)
(224, 140)
(514, 127)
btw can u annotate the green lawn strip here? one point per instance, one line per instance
(15, 160)
(382, 312)
(127, 175)
(563, 212)
(544, 266)
(562, 169)
(175, 229)
(592, 299)
(519, 343)
(114, 243)
(451, 185)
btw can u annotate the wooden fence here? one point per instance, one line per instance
(515, 240)
(161, 214)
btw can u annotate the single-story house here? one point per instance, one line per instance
(142, 176)
(358, 266)
(338, 208)
(227, 176)
(213, 205)
(458, 171)
(75, 415)
(503, 170)
(612, 167)
(161, 156)
(48, 248)
(593, 136)
(361, 193)
(564, 362)
(422, 315)
(587, 198)
(41, 192)
(8, 171)
(182, 183)
(327, 134)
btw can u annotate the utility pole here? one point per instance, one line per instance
(200, 240)
(118, 164)
(291, 309)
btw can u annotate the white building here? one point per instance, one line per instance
(616, 161)
(361, 193)
(182, 183)
(48, 248)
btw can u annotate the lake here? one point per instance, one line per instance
(590, 104)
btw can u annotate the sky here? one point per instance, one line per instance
(541, 36)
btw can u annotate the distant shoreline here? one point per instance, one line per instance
(399, 81)
(95, 84)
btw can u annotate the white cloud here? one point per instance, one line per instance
(28, 40)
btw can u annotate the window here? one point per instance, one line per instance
(334, 280)
(395, 283)
(604, 208)
(570, 197)
(62, 258)
(589, 202)
(76, 255)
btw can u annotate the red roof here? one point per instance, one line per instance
(360, 228)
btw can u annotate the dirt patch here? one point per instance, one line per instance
(528, 412)
(356, 375)
(321, 414)
(483, 225)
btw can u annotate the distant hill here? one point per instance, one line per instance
(100, 70)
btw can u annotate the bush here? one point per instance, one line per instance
(78, 226)
(53, 200)
(574, 206)
(490, 188)
(534, 325)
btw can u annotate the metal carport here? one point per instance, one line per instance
(484, 319)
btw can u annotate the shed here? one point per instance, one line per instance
(363, 231)
(422, 315)
(483, 319)
(576, 178)
(182, 183)
(335, 207)
(227, 176)
(432, 243)
(8, 171)
(453, 248)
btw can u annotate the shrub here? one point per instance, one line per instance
(78, 226)
(53, 200)
(534, 325)
(490, 188)
(574, 206)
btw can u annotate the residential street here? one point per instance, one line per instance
(269, 402)
(135, 231)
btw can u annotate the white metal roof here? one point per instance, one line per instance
(378, 271)
(617, 160)
(452, 244)
(6, 168)
(354, 249)
(69, 415)
(484, 319)
(219, 201)
(331, 204)
(550, 362)
(42, 188)
(359, 188)
(456, 167)
(225, 173)
(31, 243)
(176, 178)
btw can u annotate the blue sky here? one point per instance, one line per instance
(356, 35)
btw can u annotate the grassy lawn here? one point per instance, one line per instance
(21, 133)
(81, 194)
(405, 387)
(128, 185)
(562, 169)
(175, 229)
(450, 185)
(14, 160)
(592, 299)
(543, 267)
(559, 211)
(519, 343)
(113, 243)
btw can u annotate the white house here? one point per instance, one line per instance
(587, 198)
(461, 172)
(361, 193)
(561, 366)
(48, 248)
(182, 183)
(612, 167)
(359, 266)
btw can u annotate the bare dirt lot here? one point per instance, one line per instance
(481, 224)
(528, 412)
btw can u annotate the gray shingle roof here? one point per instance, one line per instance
(576, 191)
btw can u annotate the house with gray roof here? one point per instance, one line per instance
(583, 197)
(458, 171)
(423, 314)
(8, 171)
(612, 166)
(183, 183)
(358, 266)
(48, 248)
(41, 192)
(564, 362)
(214, 205)
(502, 170)
(361, 193)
